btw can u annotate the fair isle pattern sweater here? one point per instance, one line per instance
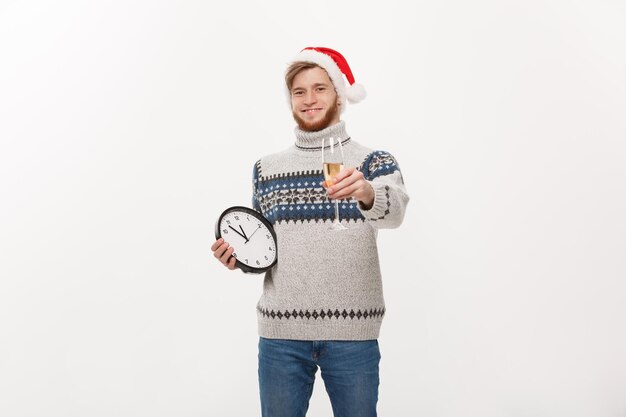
(326, 284)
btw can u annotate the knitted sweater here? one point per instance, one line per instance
(326, 284)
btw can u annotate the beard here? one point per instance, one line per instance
(319, 125)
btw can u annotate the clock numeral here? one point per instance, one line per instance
(248, 217)
(234, 254)
(259, 225)
(227, 221)
(266, 258)
(271, 248)
(257, 262)
(225, 231)
(236, 217)
(268, 236)
(246, 261)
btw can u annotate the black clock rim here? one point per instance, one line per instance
(262, 219)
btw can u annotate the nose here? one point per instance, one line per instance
(310, 97)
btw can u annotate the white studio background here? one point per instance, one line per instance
(127, 126)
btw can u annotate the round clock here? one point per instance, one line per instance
(252, 237)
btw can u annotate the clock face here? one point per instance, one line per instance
(252, 237)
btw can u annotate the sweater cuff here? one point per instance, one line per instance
(380, 206)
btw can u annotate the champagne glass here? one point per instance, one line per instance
(332, 161)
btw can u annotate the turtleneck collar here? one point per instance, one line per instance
(310, 141)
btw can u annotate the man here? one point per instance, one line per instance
(322, 303)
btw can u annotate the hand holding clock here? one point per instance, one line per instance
(242, 251)
(223, 252)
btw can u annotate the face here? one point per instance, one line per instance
(314, 102)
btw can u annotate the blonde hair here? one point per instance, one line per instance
(295, 68)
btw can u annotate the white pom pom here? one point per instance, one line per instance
(355, 93)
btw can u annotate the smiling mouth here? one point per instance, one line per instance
(311, 110)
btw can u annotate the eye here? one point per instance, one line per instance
(297, 93)
(320, 89)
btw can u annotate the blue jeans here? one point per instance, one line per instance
(287, 372)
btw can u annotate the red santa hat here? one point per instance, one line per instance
(337, 67)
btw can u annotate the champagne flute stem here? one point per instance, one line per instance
(336, 211)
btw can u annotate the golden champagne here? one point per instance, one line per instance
(331, 170)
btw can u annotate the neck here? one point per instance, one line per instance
(313, 140)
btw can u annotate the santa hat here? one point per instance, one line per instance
(337, 67)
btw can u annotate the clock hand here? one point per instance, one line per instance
(237, 231)
(244, 233)
(257, 229)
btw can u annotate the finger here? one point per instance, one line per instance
(356, 176)
(345, 172)
(345, 192)
(217, 244)
(231, 263)
(219, 252)
(225, 257)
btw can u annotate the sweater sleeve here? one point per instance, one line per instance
(381, 170)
